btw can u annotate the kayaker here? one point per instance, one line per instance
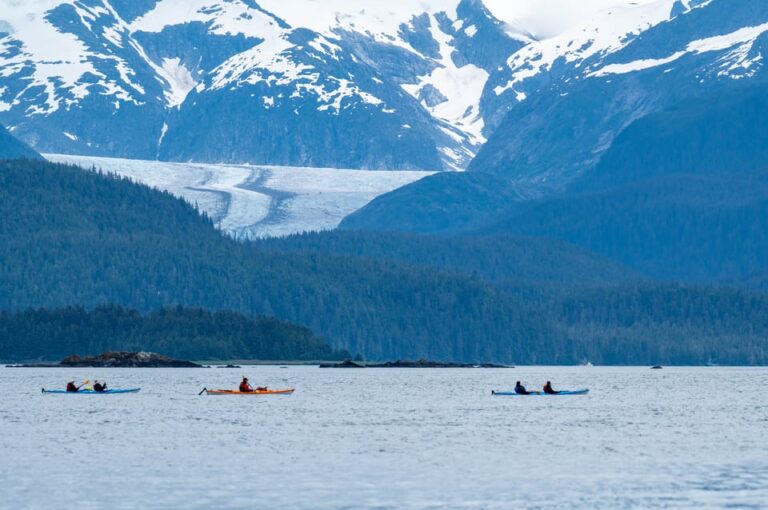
(245, 387)
(520, 389)
(72, 388)
(548, 389)
(99, 386)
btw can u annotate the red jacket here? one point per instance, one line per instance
(245, 387)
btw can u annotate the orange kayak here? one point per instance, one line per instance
(286, 391)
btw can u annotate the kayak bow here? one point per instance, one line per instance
(91, 392)
(539, 393)
(286, 391)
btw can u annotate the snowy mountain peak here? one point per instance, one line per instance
(414, 68)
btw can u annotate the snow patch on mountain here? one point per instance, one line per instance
(180, 81)
(606, 31)
(381, 20)
(461, 87)
(59, 58)
(222, 18)
(741, 40)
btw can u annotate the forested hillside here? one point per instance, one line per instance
(496, 258)
(83, 239)
(184, 333)
(79, 238)
(658, 324)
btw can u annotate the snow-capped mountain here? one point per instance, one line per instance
(389, 85)
(404, 84)
(573, 104)
(557, 105)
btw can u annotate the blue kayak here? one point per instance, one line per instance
(539, 393)
(91, 392)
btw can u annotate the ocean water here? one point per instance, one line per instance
(387, 438)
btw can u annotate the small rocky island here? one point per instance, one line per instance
(422, 363)
(121, 360)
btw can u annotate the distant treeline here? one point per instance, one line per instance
(185, 333)
(660, 323)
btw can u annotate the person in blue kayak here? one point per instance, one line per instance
(520, 389)
(72, 388)
(100, 386)
(548, 389)
(245, 387)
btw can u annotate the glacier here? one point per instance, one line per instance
(248, 201)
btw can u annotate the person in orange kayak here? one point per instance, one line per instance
(244, 386)
(72, 388)
(548, 389)
(99, 386)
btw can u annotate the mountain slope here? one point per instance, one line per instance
(499, 259)
(12, 148)
(681, 194)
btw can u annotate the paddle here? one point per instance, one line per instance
(203, 391)
(84, 383)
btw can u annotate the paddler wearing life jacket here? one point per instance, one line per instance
(244, 386)
(72, 388)
(548, 389)
(520, 389)
(99, 386)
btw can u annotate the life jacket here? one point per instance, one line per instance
(71, 386)
(99, 387)
(245, 387)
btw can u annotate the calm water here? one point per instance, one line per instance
(388, 438)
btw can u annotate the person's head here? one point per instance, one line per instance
(245, 379)
(548, 383)
(517, 383)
